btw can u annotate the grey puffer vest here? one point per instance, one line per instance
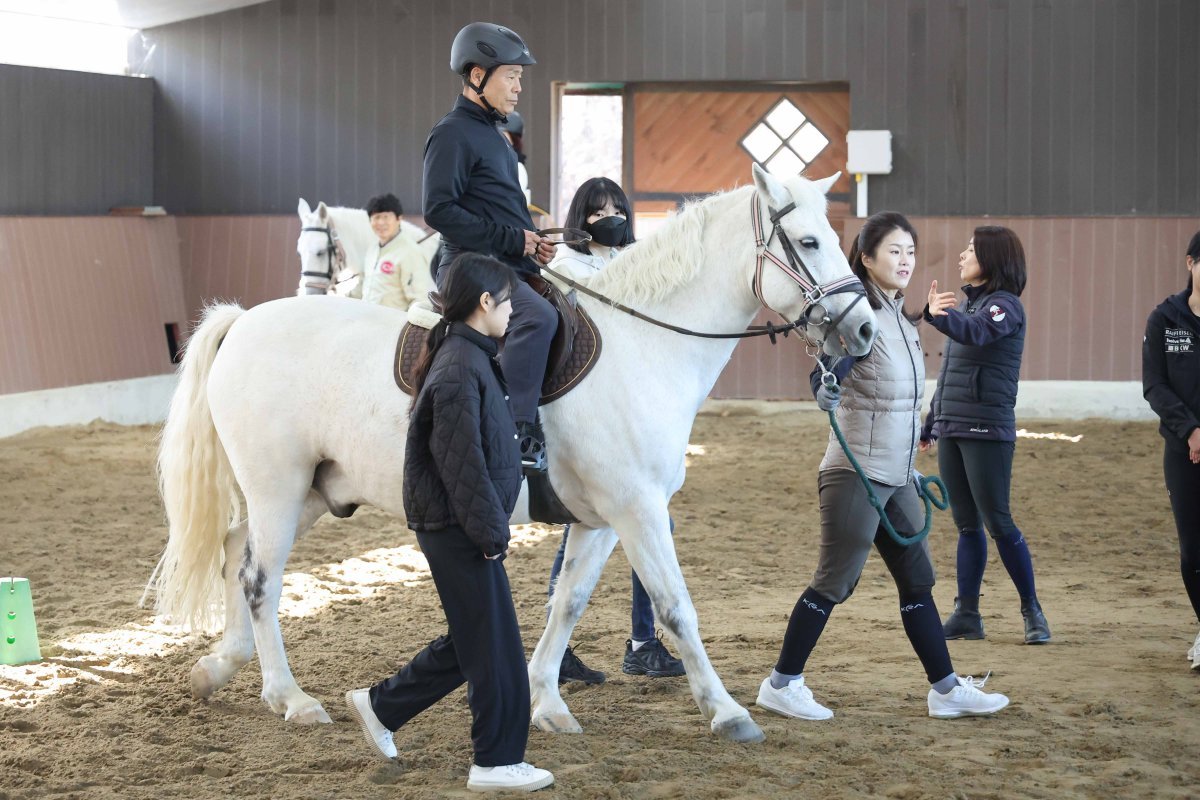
(880, 411)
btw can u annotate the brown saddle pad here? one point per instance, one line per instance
(573, 353)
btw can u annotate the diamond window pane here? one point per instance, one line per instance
(785, 164)
(785, 118)
(808, 142)
(761, 142)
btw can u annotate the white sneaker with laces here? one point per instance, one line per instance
(1194, 653)
(513, 778)
(379, 737)
(965, 700)
(794, 700)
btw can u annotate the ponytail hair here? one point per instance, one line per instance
(463, 282)
(867, 243)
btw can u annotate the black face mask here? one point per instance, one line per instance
(608, 231)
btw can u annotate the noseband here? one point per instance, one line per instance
(333, 252)
(798, 271)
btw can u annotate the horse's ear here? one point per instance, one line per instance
(322, 211)
(774, 192)
(825, 184)
(303, 210)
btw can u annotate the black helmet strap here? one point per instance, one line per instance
(479, 90)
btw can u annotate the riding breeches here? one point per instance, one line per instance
(850, 526)
(1183, 487)
(978, 477)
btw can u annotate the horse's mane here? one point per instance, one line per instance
(649, 269)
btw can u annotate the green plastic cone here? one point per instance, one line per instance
(18, 631)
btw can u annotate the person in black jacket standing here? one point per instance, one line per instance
(1171, 384)
(973, 418)
(473, 198)
(462, 475)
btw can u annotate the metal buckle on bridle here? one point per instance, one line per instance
(798, 271)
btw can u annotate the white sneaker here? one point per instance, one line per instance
(794, 700)
(965, 700)
(514, 778)
(379, 737)
(1194, 653)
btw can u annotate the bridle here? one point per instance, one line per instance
(795, 268)
(335, 254)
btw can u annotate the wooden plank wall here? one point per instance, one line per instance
(86, 299)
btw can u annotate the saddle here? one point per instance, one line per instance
(574, 350)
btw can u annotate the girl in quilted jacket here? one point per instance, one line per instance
(879, 411)
(462, 475)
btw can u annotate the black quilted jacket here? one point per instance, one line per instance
(462, 465)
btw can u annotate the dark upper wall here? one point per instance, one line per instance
(74, 142)
(1063, 107)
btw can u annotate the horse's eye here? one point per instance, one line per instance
(809, 243)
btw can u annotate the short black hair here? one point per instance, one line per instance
(593, 195)
(1001, 259)
(1193, 252)
(384, 203)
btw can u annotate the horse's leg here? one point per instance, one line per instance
(236, 647)
(646, 537)
(274, 518)
(587, 551)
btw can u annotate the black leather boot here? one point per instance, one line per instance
(1037, 630)
(965, 622)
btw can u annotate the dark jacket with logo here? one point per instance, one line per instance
(472, 195)
(977, 387)
(462, 464)
(1171, 369)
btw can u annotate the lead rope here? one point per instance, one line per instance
(926, 481)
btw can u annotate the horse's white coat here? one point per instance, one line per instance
(273, 406)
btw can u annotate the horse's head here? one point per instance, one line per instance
(321, 253)
(802, 272)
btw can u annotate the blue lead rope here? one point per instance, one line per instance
(923, 485)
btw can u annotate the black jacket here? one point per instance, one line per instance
(976, 393)
(472, 195)
(462, 465)
(1171, 369)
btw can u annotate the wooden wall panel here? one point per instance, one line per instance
(689, 142)
(86, 299)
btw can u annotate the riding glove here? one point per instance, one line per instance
(828, 397)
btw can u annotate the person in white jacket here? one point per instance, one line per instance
(601, 209)
(396, 273)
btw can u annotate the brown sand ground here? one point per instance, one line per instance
(1109, 709)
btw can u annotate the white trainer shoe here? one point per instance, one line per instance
(379, 737)
(794, 700)
(1194, 653)
(513, 778)
(965, 700)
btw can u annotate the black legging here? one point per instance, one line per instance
(1183, 486)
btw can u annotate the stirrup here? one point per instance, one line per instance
(533, 446)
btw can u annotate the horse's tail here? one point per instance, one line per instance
(197, 485)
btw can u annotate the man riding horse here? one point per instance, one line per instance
(473, 197)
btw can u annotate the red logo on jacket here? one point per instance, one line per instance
(997, 313)
(387, 268)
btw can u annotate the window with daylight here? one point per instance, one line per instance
(784, 141)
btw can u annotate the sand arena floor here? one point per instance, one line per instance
(1109, 709)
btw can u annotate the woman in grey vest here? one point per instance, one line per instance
(972, 417)
(879, 410)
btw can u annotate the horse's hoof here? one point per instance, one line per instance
(203, 684)
(741, 730)
(558, 723)
(309, 715)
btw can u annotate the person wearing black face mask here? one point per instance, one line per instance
(601, 209)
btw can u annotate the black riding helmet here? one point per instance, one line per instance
(515, 125)
(487, 45)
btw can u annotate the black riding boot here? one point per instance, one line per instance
(965, 622)
(1037, 630)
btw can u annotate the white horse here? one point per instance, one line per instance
(267, 414)
(334, 243)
